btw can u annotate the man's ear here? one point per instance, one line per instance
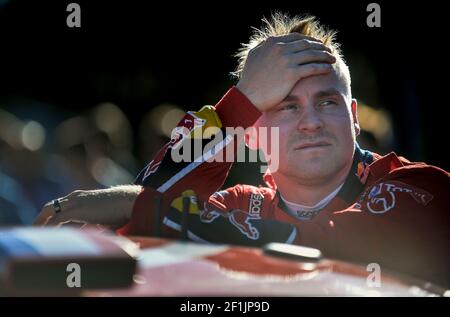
(354, 107)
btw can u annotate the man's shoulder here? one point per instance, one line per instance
(393, 165)
(393, 170)
(411, 192)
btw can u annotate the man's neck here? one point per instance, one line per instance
(306, 193)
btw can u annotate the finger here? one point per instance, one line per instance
(48, 212)
(304, 44)
(312, 69)
(62, 217)
(96, 227)
(311, 56)
(293, 37)
(72, 224)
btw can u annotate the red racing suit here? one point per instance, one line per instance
(389, 211)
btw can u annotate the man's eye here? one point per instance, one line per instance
(327, 103)
(289, 107)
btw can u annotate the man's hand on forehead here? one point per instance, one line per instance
(273, 67)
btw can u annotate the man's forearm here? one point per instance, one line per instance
(117, 199)
(111, 206)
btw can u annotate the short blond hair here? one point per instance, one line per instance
(282, 24)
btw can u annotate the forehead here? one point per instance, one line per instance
(308, 87)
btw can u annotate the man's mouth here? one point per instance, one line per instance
(312, 145)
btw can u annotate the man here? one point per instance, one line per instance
(327, 192)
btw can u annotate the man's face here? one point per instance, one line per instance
(317, 129)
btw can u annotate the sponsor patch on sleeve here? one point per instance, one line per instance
(384, 196)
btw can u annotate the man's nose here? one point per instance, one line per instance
(309, 121)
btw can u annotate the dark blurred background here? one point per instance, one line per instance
(88, 107)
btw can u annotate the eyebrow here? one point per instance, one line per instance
(319, 94)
